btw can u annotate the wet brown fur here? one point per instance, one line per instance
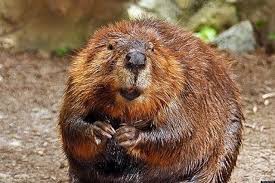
(192, 102)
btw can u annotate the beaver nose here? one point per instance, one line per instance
(135, 60)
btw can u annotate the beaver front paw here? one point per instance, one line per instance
(102, 131)
(127, 136)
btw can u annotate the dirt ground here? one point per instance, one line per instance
(30, 91)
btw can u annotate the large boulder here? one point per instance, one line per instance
(51, 25)
(261, 14)
(239, 38)
(163, 9)
(193, 14)
(217, 14)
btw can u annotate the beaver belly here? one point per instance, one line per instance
(115, 161)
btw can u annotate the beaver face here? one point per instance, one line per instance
(128, 60)
(131, 70)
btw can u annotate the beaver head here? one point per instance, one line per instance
(127, 71)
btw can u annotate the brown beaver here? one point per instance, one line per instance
(148, 102)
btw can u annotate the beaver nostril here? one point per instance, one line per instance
(128, 57)
(135, 60)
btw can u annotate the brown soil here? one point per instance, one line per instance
(30, 91)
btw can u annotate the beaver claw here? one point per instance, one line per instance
(127, 136)
(102, 131)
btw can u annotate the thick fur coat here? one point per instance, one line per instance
(185, 124)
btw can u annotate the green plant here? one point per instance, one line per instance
(207, 33)
(260, 23)
(61, 52)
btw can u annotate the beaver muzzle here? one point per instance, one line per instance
(130, 93)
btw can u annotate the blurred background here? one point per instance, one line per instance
(37, 39)
(60, 26)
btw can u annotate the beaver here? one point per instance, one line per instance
(146, 101)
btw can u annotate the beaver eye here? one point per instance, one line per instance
(110, 47)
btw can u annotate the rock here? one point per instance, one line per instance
(216, 14)
(135, 11)
(261, 14)
(163, 9)
(40, 152)
(192, 14)
(184, 4)
(7, 43)
(231, 1)
(239, 38)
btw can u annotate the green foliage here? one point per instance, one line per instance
(260, 23)
(207, 33)
(271, 36)
(61, 52)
